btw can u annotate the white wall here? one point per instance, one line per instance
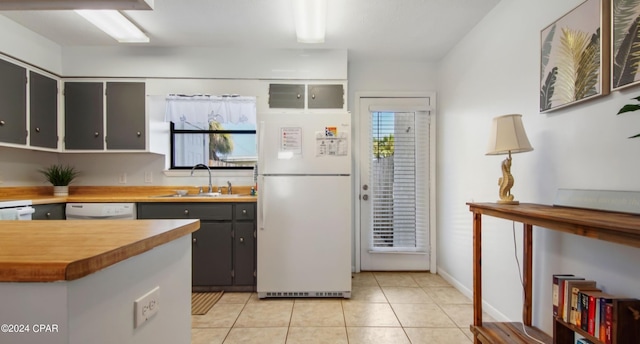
(21, 43)
(495, 71)
(189, 62)
(390, 76)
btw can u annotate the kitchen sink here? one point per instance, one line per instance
(202, 195)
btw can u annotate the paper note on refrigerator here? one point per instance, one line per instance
(331, 143)
(290, 143)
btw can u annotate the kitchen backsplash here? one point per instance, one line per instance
(19, 167)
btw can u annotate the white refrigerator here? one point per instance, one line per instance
(304, 205)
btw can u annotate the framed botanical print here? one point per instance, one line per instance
(625, 43)
(574, 56)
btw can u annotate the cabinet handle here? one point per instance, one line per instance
(186, 211)
(48, 214)
(138, 133)
(298, 96)
(244, 211)
(313, 96)
(1, 122)
(241, 239)
(37, 130)
(95, 134)
(194, 240)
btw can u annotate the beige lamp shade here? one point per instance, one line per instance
(508, 136)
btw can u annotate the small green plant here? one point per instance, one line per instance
(630, 108)
(59, 175)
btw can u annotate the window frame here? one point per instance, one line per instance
(173, 132)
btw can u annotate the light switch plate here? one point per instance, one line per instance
(146, 306)
(148, 177)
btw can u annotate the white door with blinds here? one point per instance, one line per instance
(394, 178)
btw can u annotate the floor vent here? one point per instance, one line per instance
(304, 294)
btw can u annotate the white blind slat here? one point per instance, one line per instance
(399, 224)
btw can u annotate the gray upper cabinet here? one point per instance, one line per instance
(325, 97)
(126, 115)
(43, 105)
(286, 96)
(83, 107)
(13, 103)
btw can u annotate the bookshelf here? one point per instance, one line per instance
(608, 226)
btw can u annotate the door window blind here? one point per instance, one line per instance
(399, 167)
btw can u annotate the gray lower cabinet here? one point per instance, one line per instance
(223, 249)
(211, 255)
(55, 211)
(13, 103)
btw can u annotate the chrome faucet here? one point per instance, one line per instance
(228, 187)
(209, 170)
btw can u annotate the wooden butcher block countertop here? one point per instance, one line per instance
(118, 194)
(47, 251)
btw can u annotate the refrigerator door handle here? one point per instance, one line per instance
(261, 205)
(261, 135)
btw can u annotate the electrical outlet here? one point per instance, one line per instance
(123, 178)
(148, 177)
(146, 306)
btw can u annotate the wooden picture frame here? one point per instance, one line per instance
(575, 55)
(625, 43)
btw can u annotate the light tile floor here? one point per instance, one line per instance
(385, 307)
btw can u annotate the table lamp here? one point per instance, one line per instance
(507, 136)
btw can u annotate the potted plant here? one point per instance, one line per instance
(60, 176)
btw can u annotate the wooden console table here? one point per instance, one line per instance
(608, 226)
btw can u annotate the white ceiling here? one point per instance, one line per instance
(378, 29)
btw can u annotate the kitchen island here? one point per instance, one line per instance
(76, 281)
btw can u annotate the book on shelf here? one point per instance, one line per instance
(595, 312)
(608, 323)
(586, 317)
(564, 293)
(555, 292)
(582, 311)
(583, 341)
(603, 300)
(572, 302)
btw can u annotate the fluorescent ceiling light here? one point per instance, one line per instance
(115, 25)
(26, 5)
(311, 20)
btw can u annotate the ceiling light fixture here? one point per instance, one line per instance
(311, 20)
(115, 25)
(30, 5)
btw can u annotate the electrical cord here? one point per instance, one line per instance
(515, 251)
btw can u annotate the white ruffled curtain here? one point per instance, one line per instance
(196, 112)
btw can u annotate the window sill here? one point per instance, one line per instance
(204, 173)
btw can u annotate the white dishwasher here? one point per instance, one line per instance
(16, 210)
(101, 211)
